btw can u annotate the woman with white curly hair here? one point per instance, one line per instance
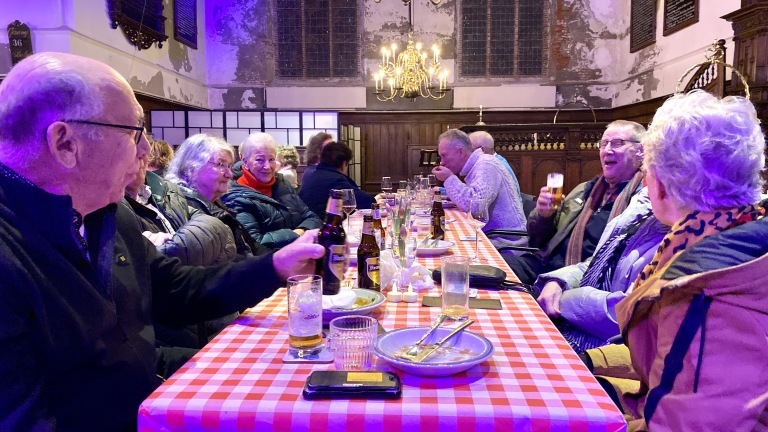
(696, 320)
(202, 168)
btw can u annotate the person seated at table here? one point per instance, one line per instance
(160, 155)
(484, 141)
(288, 158)
(695, 322)
(202, 169)
(331, 174)
(484, 178)
(312, 154)
(81, 286)
(567, 234)
(581, 298)
(267, 206)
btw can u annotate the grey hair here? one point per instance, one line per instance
(638, 130)
(192, 154)
(31, 104)
(254, 141)
(707, 152)
(483, 140)
(456, 139)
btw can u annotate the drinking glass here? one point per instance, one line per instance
(352, 339)
(386, 184)
(403, 184)
(305, 315)
(478, 218)
(454, 283)
(555, 187)
(348, 204)
(432, 180)
(423, 226)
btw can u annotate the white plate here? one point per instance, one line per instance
(448, 204)
(374, 299)
(441, 247)
(458, 354)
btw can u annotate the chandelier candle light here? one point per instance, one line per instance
(406, 74)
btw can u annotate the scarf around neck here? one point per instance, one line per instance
(685, 233)
(592, 203)
(247, 179)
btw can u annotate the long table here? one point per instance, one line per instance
(533, 382)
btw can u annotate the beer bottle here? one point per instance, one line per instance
(368, 258)
(438, 217)
(332, 266)
(376, 211)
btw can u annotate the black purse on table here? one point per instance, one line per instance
(489, 277)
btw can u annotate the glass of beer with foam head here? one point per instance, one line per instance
(555, 187)
(305, 315)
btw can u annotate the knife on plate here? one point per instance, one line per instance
(432, 348)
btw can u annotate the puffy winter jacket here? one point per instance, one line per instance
(271, 220)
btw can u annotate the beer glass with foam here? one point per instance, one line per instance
(555, 187)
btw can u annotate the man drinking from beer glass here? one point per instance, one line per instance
(568, 232)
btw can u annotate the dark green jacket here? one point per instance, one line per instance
(271, 220)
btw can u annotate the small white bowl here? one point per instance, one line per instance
(441, 247)
(458, 354)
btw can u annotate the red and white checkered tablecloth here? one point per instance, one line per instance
(533, 381)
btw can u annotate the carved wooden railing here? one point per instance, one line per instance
(534, 150)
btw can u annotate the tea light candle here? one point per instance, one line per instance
(394, 296)
(410, 296)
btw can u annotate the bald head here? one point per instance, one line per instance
(482, 140)
(48, 99)
(45, 88)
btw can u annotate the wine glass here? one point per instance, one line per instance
(348, 204)
(386, 185)
(478, 218)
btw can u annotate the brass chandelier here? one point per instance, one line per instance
(407, 74)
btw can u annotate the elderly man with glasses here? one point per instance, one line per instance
(81, 285)
(568, 233)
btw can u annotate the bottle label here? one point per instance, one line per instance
(334, 207)
(372, 269)
(377, 214)
(337, 261)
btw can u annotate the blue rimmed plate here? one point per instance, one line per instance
(458, 354)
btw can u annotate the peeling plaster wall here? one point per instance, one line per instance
(241, 52)
(175, 71)
(591, 51)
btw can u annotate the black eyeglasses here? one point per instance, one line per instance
(139, 129)
(616, 143)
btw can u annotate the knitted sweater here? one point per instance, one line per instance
(485, 177)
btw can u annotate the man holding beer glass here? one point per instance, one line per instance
(567, 232)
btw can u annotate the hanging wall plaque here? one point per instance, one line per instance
(141, 21)
(679, 14)
(20, 41)
(185, 22)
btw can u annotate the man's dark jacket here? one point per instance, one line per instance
(316, 188)
(77, 346)
(271, 220)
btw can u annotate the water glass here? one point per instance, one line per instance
(351, 339)
(386, 184)
(455, 285)
(305, 315)
(423, 227)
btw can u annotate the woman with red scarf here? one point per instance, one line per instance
(696, 320)
(265, 203)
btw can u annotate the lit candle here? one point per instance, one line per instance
(394, 50)
(391, 86)
(481, 108)
(418, 47)
(423, 58)
(434, 51)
